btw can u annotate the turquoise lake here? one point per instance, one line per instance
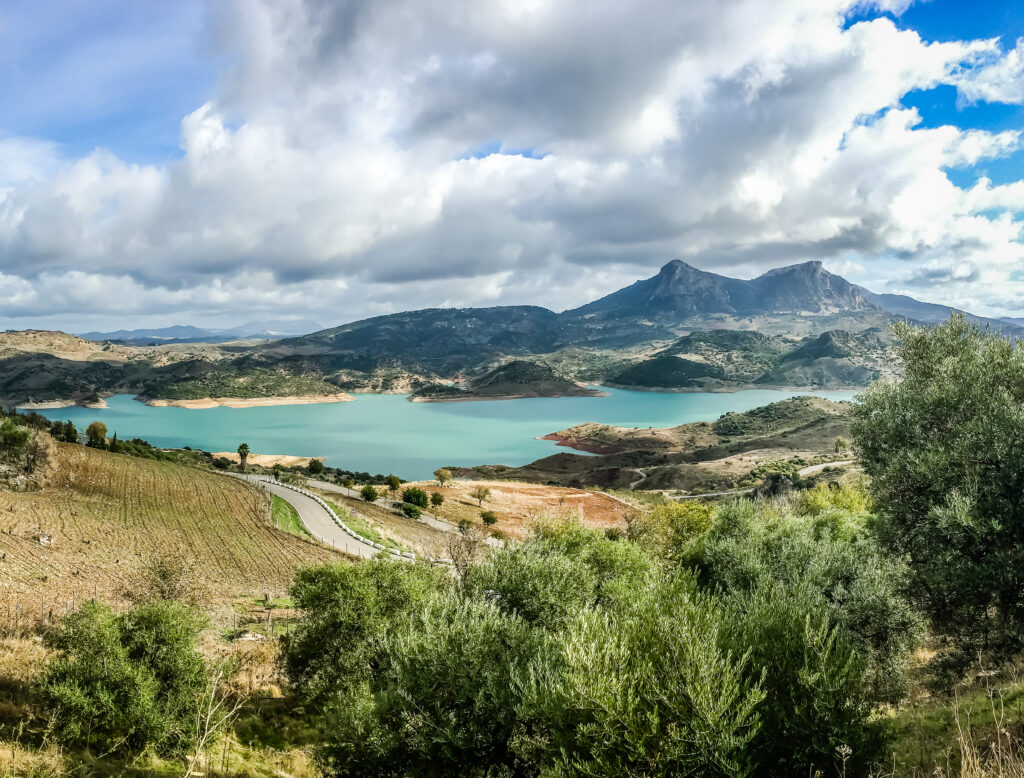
(382, 433)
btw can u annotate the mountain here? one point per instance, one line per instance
(800, 299)
(682, 328)
(931, 313)
(183, 333)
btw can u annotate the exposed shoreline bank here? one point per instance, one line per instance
(250, 402)
(486, 398)
(51, 405)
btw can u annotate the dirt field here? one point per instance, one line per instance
(106, 513)
(518, 505)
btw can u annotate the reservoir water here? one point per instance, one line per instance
(381, 433)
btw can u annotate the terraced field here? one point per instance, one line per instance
(105, 514)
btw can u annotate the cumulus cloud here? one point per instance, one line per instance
(363, 157)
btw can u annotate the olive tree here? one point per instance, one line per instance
(944, 447)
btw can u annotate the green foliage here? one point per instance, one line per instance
(480, 493)
(820, 607)
(412, 511)
(125, 683)
(315, 466)
(244, 383)
(490, 518)
(349, 610)
(393, 482)
(436, 499)
(441, 699)
(415, 496)
(814, 681)
(673, 531)
(946, 459)
(644, 689)
(14, 440)
(443, 475)
(96, 435)
(369, 493)
(831, 496)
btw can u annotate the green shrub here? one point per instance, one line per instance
(412, 511)
(125, 683)
(821, 608)
(436, 499)
(645, 689)
(348, 610)
(415, 496)
(441, 698)
(490, 518)
(369, 494)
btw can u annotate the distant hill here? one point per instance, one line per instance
(183, 333)
(932, 313)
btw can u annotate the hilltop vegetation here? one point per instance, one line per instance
(254, 382)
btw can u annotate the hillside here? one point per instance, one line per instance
(671, 314)
(699, 456)
(718, 359)
(104, 514)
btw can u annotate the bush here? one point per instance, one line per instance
(415, 496)
(315, 466)
(14, 440)
(125, 683)
(368, 493)
(436, 499)
(645, 689)
(490, 518)
(348, 611)
(820, 607)
(441, 698)
(412, 511)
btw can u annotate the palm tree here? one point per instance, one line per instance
(243, 455)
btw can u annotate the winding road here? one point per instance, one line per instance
(317, 520)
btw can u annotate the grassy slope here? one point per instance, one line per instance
(286, 517)
(106, 512)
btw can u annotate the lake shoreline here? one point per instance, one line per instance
(205, 403)
(492, 398)
(52, 405)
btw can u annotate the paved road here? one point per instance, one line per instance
(317, 520)
(385, 502)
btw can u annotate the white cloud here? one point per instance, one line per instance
(739, 135)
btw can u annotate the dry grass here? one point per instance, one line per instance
(519, 505)
(104, 514)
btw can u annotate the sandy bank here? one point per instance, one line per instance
(267, 460)
(50, 405)
(251, 402)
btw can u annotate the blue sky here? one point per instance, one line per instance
(231, 159)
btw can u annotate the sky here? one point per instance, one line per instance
(216, 161)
